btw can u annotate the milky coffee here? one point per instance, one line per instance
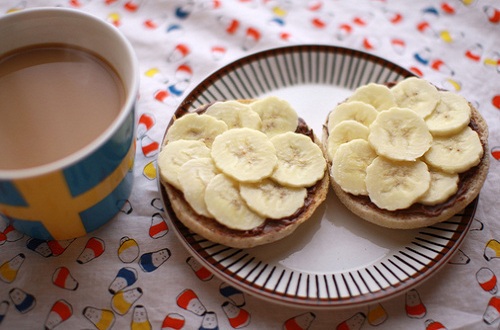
(54, 100)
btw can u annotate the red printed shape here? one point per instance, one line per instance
(238, 317)
(63, 279)
(201, 272)
(93, 249)
(188, 300)
(447, 8)
(414, 306)
(233, 26)
(299, 322)
(60, 312)
(434, 325)
(493, 14)
(173, 321)
(495, 152)
(496, 101)
(158, 226)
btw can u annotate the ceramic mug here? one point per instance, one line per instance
(74, 195)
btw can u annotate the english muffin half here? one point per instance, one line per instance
(406, 155)
(243, 173)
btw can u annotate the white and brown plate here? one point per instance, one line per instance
(335, 259)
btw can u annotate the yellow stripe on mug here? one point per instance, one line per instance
(41, 206)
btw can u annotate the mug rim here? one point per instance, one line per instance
(104, 136)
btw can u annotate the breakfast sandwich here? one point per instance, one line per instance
(406, 155)
(243, 172)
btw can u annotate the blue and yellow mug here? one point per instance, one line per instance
(79, 193)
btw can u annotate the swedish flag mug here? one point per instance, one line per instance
(66, 157)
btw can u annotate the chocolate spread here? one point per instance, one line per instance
(270, 224)
(434, 210)
(416, 209)
(273, 225)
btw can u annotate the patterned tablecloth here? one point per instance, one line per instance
(134, 272)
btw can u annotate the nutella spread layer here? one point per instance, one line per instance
(270, 225)
(464, 184)
(243, 173)
(406, 154)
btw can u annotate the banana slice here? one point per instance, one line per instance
(244, 154)
(300, 161)
(344, 132)
(451, 115)
(196, 174)
(175, 154)
(235, 114)
(276, 114)
(225, 203)
(271, 200)
(349, 166)
(394, 185)
(363, 113)
(442, 186)
(196, 127)
(399, 134)
(456, 153)
(377, 95)
(416, 94)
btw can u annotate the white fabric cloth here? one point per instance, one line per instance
(454, 44)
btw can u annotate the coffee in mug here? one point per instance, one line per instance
(55, 99)
(68, 87)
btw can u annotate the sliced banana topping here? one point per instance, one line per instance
(175, 154)
(196, 127)
(244, 154)
(417, 95)
(399, 134)
(349, 166)
(300, 161)
(377, 95)
(452, 114)
(242, 166)
(196, 174)
(363, 113)
(277, 115)
(457, 153)
(344, 132)
(224, 202)
(394, 185)
(235, 114)
(415, 150)
(272, 200)
(442, 186)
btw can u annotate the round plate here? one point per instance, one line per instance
(335, 259)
